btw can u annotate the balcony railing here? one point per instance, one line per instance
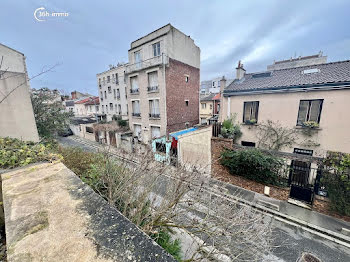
(154, 115)
(154, 61)
(136, 114)
(152, 89)
(134, 91)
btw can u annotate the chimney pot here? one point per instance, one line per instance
(240, 71)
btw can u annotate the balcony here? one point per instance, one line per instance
(152, 89)
(154, 115)
(154, 61)
(134, 91)
(136, 114)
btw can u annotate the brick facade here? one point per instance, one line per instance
(178, 91)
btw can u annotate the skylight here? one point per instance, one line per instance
(266, 74)
(310, 71)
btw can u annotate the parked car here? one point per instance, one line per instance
(66, 132)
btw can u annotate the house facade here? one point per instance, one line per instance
(16, 111)
(311, 99)
(163, 83)
(112, 92)
(89, 106)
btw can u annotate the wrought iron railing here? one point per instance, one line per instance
(134, 91)
(154, 115)
(136, 114)
(157, 60)
(152, 88)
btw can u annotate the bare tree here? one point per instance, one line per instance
(160, 197)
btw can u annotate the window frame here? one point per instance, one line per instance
(256, 111)
(156, 49)
(308, 110)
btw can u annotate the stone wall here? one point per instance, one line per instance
(51, 215)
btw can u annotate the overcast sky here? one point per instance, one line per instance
(98, 33)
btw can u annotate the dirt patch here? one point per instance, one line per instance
(323, 206)
(222, 173)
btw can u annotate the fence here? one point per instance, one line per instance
(216, 127)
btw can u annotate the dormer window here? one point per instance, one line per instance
(310, 71)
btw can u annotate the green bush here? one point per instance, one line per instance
(253, 164)
(337, 182)
(15, 153)
(230, 129)
(172, 247)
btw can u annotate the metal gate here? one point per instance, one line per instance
(302, 185)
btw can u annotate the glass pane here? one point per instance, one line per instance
(315, 108)
(247, 110)
(303, 108)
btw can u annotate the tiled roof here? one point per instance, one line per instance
(88, 101)
(216, 97)
(336, 72)
(208, 97)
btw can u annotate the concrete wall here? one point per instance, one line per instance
(122, 101)
(194, 149)
(16, 111)
(51, 215)
(333, 133)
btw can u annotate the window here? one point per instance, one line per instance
(127, 109)
(104, 80)
(154, 108)
(136, 108)
(103, 109)
(203, 121)
(186, 102)
(156, 49)
(108, 79)
(155, 131)
(111, 106)
(204, 105)
(109, 90)
(119, 109)
(116, 79)
(105, 94)
(114, 93)
(211, 106)
(97, 108)
(116, 107)
(118, 94)
(213, 83)
(137, 130)
(309, 110)
(101, 95)
(137, 57)
(160, 147)
(246, 143)
(186, 79)
(134, 86)
(250, 112)
(89, 129)
(124, 78)
(99, 81)
(218, 83)
(153, 81)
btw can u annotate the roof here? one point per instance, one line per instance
(182, 132)
(12, 49)
(216, 97)
(328, 73)
(88, 101)
(82, 120)
(208, 97)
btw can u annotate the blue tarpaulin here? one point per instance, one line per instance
(185, 131)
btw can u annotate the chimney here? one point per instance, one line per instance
(222, 84)
(240, 71)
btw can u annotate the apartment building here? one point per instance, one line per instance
(212, 86)
(16, 111)
(294, 95)
(163, 78)
(112, 92)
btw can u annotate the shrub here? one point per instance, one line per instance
(15, 153)
(253, 164)
(337, 182)
(230, 129)
(311, 124)
(164, 240)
